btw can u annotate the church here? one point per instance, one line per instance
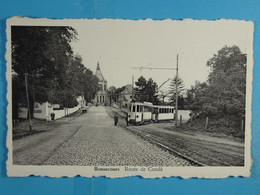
(101, 97)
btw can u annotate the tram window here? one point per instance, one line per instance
(137, 108)
(150, 109)
(168, 110)
(146, 109)
(133, 108)
(141, 108)
(160, 110)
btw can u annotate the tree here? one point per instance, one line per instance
(54, 73)
(146, 90)
(111, 94)
(227, 81)
(162, 95)
(42, 53)
(224, 92)
(172, 92)
(196, 97)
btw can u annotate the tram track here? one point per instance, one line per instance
(220, 150)
(199, 153)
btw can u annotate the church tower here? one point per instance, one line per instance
(101, 96)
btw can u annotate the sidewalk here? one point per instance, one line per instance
(21, 129)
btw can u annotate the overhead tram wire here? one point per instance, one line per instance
(156, 68)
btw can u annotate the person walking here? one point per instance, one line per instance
(115, 119)
(126, 119)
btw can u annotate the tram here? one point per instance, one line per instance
(161, 113)
(140, 113)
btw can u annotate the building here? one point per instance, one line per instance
(101, 97)
(44, 110)
(125, 97)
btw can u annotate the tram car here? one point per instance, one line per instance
(161, 113)
(140, 113)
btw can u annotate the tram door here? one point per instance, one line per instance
(156, 111)
(142, 111)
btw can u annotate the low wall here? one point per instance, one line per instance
(184, 113)
(43, 111)
(40, 111)
(59, 113)
(72, 110)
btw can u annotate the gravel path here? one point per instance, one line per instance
(99, 143)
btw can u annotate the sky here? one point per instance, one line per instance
(119, 45)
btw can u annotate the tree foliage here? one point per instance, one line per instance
(54, 73)
(145, 90)
(224, 92)
(172, 92)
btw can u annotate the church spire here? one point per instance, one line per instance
(98, 68)
(99, 74)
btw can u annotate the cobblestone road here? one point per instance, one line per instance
(98, 142)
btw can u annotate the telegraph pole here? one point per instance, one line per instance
(177, 68)
(132, 87)
(176, 101)
(28, 103)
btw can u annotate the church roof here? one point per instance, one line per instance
(99, 74)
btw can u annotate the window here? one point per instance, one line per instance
(97, 98)
(137, 108)
(133, 108)
(100, 87)
(146, 109)
(103, 98)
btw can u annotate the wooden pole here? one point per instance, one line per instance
(206, 124)
(132, 87)
(176, 102)
(242, 125)
(28, 103)
(180, 119)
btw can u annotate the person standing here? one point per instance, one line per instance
(126, 119)
(115, 119)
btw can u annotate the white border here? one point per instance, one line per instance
(71, 171)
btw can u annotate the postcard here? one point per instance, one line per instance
(119, 98)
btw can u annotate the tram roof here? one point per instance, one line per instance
(142, 104)
(163, 106)
(150, 104)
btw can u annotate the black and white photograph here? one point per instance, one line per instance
(117, 98)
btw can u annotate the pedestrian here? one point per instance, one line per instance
(126, 119)
(53, 116)
(115, 119)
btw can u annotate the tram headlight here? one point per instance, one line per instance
(137, 116)
(129, 115)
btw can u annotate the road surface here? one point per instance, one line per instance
(91, 140)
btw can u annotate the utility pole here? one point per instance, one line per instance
(177, 67)
(176, 101)
(132, 87)
(28, 103)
